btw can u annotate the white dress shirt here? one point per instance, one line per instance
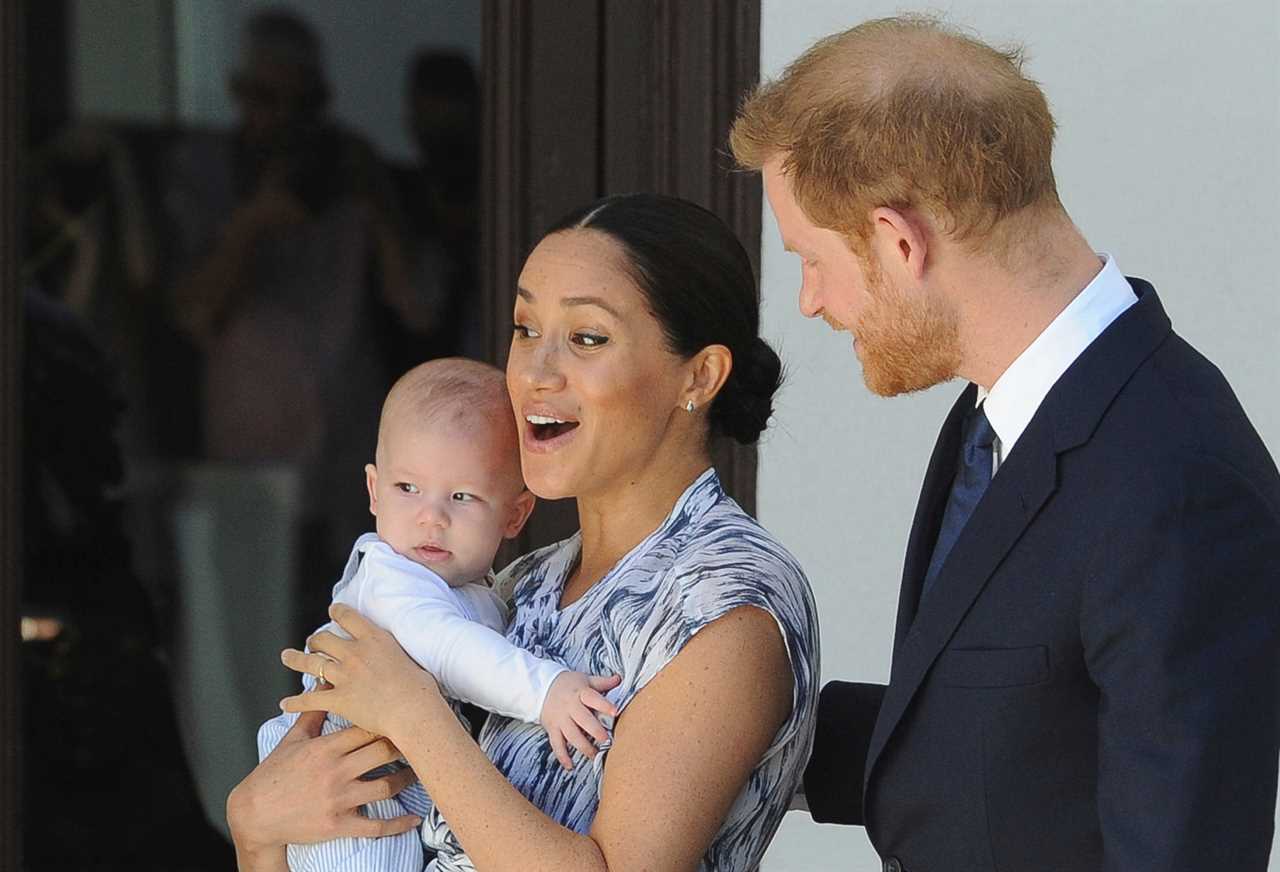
(1017, 394)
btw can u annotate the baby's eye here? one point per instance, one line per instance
(463, 497)
(406, 487)
(590, 340)
(524, 331)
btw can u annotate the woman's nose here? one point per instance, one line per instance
(541, 367)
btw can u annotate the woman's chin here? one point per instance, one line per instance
(547, 483)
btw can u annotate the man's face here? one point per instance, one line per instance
(906, 339)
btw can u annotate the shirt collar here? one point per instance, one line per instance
(1018, 393)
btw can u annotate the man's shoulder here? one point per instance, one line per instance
(1173, 420)
(1186, 405)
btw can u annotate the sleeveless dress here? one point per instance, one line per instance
(707, 558)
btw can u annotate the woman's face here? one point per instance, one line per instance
(594, 386)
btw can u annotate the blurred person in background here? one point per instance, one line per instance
(437, 196)
(288, 239)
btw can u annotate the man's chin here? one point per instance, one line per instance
(886, 380)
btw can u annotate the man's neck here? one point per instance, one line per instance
(1003, 309)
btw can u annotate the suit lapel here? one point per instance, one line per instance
(1012, 500)
(1066, 419)
(929, 508)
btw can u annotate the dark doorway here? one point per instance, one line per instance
(578, 99)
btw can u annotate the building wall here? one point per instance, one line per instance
(1167, 158)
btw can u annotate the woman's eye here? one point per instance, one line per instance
(590, 340)
(406, 488)
(524, 331)
(464, 497)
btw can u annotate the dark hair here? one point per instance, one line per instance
(286, 36)
(699, 284)
(448, 72)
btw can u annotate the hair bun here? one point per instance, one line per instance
(742, 408)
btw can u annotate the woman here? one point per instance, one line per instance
(635, 343)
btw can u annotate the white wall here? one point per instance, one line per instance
(1168, 157)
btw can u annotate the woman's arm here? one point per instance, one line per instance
(308, 790)
(673, 771)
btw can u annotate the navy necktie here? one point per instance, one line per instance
(970, 483)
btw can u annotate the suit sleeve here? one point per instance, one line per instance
(833, 779)
(1180, 630)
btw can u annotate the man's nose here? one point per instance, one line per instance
(810, 305)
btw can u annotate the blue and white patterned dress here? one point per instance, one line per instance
(707, 558)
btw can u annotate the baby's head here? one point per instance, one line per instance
(445, 484)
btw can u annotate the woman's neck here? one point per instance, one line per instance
(615, 521)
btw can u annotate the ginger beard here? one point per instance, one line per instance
(906, 342)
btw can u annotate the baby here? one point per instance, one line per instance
(446, 489)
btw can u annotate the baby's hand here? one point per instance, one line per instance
(569, 713)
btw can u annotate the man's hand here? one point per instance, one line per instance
(569, 713)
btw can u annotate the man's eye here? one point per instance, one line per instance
(526, 332)
(406, 488)
(590, 340)
(462, 497)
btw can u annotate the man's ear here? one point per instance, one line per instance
(901, 239)
(521, 509)
(371, 482)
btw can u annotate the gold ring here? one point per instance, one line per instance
(320, 672)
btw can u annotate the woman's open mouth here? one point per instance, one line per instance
(546, 432)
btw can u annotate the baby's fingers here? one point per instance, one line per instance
(580, 740)
(559, 749)
(604, 683)
(593, 700)
(590, 724)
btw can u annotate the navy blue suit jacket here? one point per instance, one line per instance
(1094, 681)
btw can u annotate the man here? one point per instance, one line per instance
(1086, 668)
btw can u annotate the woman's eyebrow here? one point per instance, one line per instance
(591, 301)
(527, 295)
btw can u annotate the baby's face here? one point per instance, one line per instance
(445, 496)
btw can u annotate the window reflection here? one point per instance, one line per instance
(219, 288)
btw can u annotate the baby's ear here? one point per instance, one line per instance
(371, 482)
(521, 508)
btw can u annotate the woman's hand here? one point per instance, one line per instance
(309, 790)
(375, 684)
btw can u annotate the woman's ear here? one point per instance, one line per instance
(710, 368)
(371, 482)
(521, 509)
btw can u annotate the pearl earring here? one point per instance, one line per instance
(688, 406)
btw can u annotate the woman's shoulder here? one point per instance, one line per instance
(727, 559)
(728, 543)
